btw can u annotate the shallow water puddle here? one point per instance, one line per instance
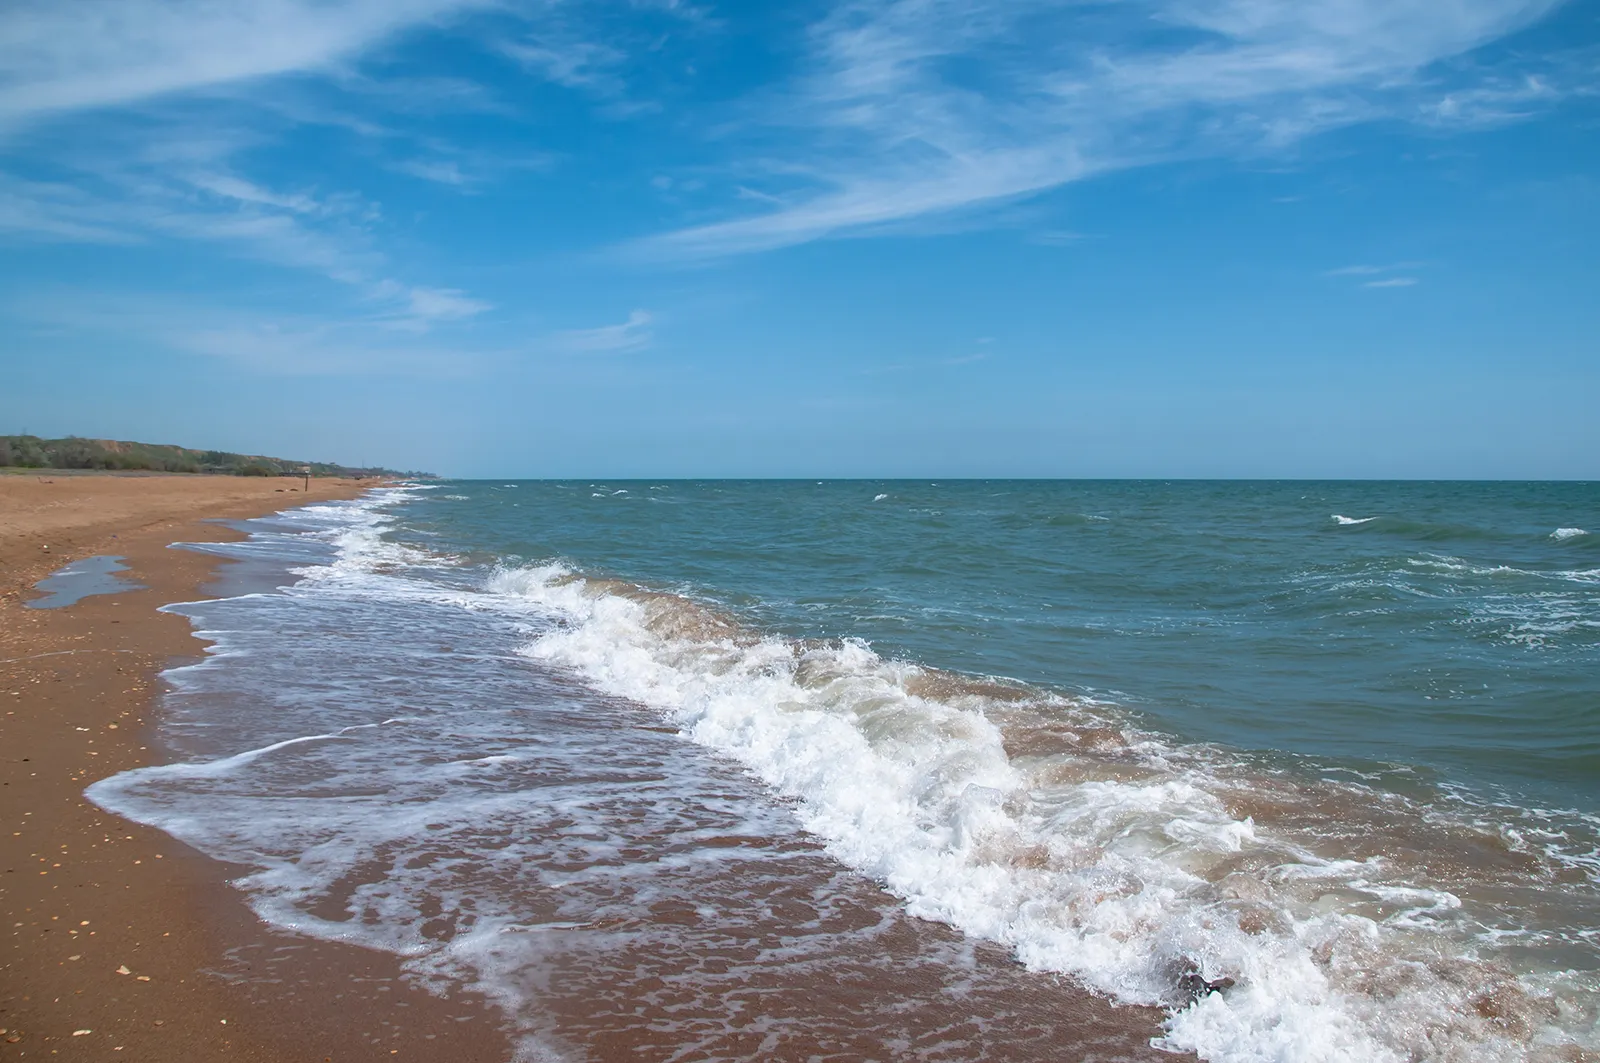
(81, 579)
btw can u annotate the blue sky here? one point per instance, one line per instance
(887, 237)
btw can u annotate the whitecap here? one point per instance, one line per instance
(1352, 520)
(1567, 533)
(879, 498)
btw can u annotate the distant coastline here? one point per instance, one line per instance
(75, 454)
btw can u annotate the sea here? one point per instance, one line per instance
(854, 769)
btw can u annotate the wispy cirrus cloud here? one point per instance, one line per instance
(570, 60)
(439, 171)
(1369, 270)
(898, 116)
(1378, 274)
(296, 343)
(307, 341)
(304, 345)
(320, 349)
(910, 108)
(426, 307)
(57, 211)
(297, 230)
(622, 338)
(189, 78)
(466, 170)
(57, 57)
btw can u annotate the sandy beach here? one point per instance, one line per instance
(121, 943)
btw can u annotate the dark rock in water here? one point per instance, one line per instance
(1192, 986)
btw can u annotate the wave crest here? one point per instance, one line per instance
(1152, 871)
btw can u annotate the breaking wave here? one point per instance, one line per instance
(1275, 915)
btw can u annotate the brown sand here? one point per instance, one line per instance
(122, 943)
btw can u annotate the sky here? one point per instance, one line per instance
(653, 238)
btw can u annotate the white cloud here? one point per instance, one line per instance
(631, 335)
(327, 236)
(1493, 103)
(1377, 273)
(423, 95)
(439, 171)
(60, 55)
(918, 107)
(570, 61)
(292, 350)
(468, 171)
(238, 189)
(51, 211)
(1367, 271)
(141, 200)
(906, 114)
(430, 305)
(325, 341)
(1055, 237)
(269, 342)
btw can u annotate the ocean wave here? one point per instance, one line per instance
(1567, 533)
(1433, 531)
(1275, 918)
(1445, 563)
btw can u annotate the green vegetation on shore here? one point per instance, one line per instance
(31, 452)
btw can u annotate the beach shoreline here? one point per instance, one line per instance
(121, 939)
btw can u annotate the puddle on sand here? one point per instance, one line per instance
(79, 580)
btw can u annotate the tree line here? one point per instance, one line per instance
(74, 452)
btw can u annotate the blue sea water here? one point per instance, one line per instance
(1329, 748)
(1451, 627)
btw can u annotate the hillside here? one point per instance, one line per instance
(32, 452)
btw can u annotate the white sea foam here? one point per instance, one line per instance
(879, 498)
(1120, 881)
(1567, 533)
(1446, 563)
(1346, 521)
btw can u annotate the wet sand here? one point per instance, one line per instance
(120, 942)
